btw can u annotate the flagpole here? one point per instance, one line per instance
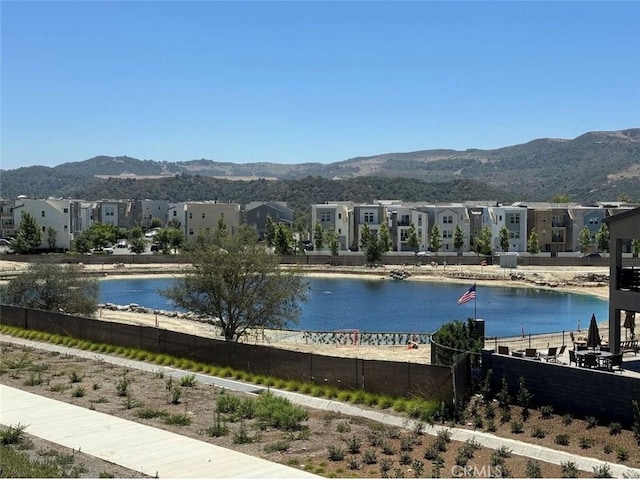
(475, 303)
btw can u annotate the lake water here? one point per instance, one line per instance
(398, 306)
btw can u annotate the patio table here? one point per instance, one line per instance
(602, 357)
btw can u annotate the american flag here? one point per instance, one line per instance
(470, 294)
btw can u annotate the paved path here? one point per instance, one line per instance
(149, 452)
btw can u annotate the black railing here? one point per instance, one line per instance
(629, 279)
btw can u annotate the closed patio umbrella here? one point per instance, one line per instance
(593, 337)
(630, 323)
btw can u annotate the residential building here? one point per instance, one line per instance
(151, 210)
(192, 217)
(400, 220)
(514, 219)
(334, 216)
(257, 213)
(373, 216)
(624, 282)
(7, 227)
(50, 213)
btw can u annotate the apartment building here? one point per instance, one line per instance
(192, 217)
(257, 213)
(151, 210)
(7, 226)
(400, 220)
(50, 213)
(514, 219)
(334, 216)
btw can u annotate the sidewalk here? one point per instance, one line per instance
(148, 451)
(141, 448)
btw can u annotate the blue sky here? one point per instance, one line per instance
(307, 81)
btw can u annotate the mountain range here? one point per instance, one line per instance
(596, 166)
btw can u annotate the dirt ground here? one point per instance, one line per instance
(98, 385)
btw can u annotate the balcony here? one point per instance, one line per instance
(629, 279)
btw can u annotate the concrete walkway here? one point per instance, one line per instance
(138, 447)
(150, 455)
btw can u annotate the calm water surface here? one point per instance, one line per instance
(397, 306)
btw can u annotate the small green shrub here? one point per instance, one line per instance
(279, 446)
(335, 453)
(353, 463)
(123, 384)
(546, 411)
(533, 469)
(12, 435)
(585, 443)
(369, 457)
(602, 471)
(537, 432)
(567, 419)
(75, 377)
(354, 444)
(175, 394)
(78, 392)
(188, 381)
(592, 422)
(517, 426)
(280, 413)
(562, 439)
(218, 428)
(343, 427)
(569, 470)
(418, 468)
(607, 448)
(615, 428)
(179, 419)
(241, 434)
(147, 413)
(622, 454)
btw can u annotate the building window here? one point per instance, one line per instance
(368, 217)
(325, 217)
(190, 214)
(65, 227)
(514, 218)
(339, 231)
(339, 216)
(447, 219)
(447, 234)
(514, 234)
(404, 235)
(202, 214)
(65, 210)
(191, 231)
(420, 221)
(43, 213)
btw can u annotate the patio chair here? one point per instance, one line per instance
(615, 361)
(531, 353)
(549, 354)
(577, 359)
(558, 354)
(503, 350)
(590, 361)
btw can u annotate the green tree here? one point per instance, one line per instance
(81, 242)
(372, 250)
(602, 238)
(365, 237)
(483, 242)
(384, 238)
(318, 239)
(28, 235)
(560, 198)
(503, 239)
(156, 223)
(137, 243)
(270, 232)
(532, 243)
(333, 240)
(435, 239)
(239, 283)
(101, 234)
(635, 247)
(458, 239)
(412, 238)
(454, 338)
(54, 288)
(52, 237)
(584, 240)
(283, 239)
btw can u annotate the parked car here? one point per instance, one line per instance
(4, 242)
(108, 250)
(156, 247)
(121, 244)
(423, 254)
(591, 255)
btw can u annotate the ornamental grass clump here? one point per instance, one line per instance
(279, 413)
